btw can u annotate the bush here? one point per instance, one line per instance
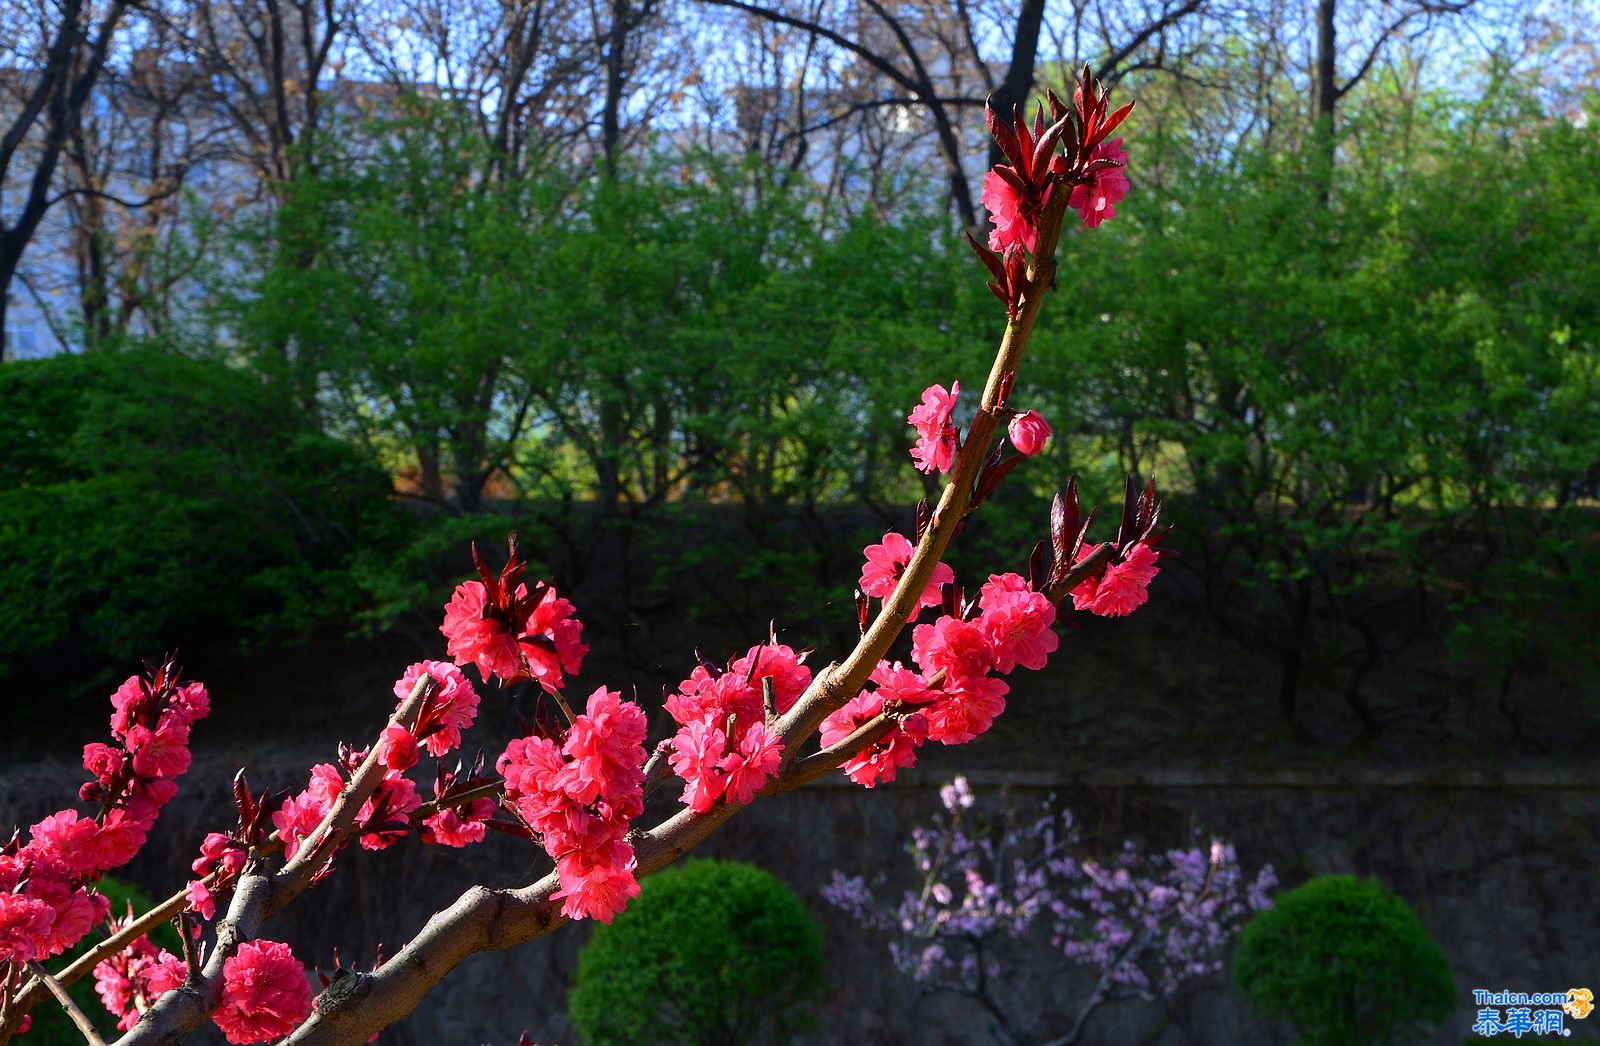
(710, 952)
(1343, 961)
(148, 500)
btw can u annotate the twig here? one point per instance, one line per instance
(566, 709)
(87, 1028)
(191, 955)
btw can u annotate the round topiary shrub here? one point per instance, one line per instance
(1343, 961)
(710, 952)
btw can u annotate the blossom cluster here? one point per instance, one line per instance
(509, 632)
(449, 707)
(131, 981)
(938, 439)
(1090, 166)
(265, 994)
(951, 696)
(1144, 922)
(578, 794)
(725, 746)
(46, 903)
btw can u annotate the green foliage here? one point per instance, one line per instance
(51, 1025)
(1344, 962)
(710, 952)
(149, 501)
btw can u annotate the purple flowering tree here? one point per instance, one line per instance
(1143, 923)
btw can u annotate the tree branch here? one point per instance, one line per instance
(85, 1026)
(483, 919)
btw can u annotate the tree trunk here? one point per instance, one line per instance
(1013, 90)
(1325, 92)
(610, 114)
(1293, 657)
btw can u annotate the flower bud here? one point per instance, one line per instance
(1028, 432)
(397, 748)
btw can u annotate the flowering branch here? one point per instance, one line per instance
(483, 919)
(577, 786)
(258, 894)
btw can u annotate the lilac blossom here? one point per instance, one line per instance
(1143, 923)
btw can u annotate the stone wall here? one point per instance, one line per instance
(1501, 866)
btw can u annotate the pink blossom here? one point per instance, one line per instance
(326, 783)
(935, 448)
(75, 912)
(606, 749)
(959, 647)
(125, 700)
(163, 975)
(899, 683)
(879, 761)
(1124, 586)
(1094, 198)
(296, 819)
(264, 993)
(132, 980)
(579, 801)
(597, 883)
(201, 900)
(522, 649)
(1014, 227)
(737, 691)
(162, 752)
(1017, 622)
(783, 665)
(191, 702)
(967, 710)
(459, 826)
(385, 816)
(888, 560)
(146, 797)
(697, 751)
(68, 838)
(451, 710)
(24, 922)
(219, 850)
(119, 838)
(103, 761)
(1028, 432)
(530, 764)
(749, 769)
(473, 638)
(397, 748)
(553, 619)
(703, 696)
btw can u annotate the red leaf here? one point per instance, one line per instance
(1004, 136)
(990, 259)
(1112, 121)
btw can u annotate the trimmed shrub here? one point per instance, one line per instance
(1343, 961)
(710, 952)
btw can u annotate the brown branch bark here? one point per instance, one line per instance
(85, 1027)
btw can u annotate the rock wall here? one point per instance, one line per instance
(1501, 866)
